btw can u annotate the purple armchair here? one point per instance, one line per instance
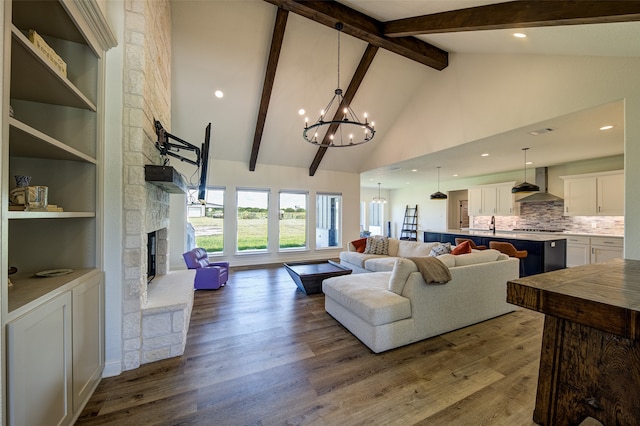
(209, 276)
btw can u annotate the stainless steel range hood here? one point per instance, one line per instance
(543, 195)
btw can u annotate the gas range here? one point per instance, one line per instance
(537, 230)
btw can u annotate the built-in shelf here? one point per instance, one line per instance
(29, 142)
(34, 79)
(166, 177)
(48, 215)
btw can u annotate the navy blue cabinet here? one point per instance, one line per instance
(543, 256)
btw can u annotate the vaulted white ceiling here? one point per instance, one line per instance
(224, 45)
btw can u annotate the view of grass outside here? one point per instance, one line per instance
(207, 221)
(293, 220)
(252, 213)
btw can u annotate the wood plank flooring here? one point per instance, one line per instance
(260, 352)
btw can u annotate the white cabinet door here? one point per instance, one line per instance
(475, 201)
(611, 195)
(489, 200)
(39, 365)
(578, 251)
(580, 196)
(88, 339)
(505, 205)
(605, 248)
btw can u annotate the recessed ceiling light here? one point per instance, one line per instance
(529, 162)
(218, 94)
(606, 127)
(414, 170)
(455, 175)
(519, 35)
(301, 111)
(484, 155)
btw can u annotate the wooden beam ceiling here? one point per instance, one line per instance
(358, 76)
(516, 14)
(365, 28)
(269, 78)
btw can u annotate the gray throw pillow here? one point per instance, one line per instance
(444, 248)
(377, 245)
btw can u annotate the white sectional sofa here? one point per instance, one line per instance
(363, 262)
(396, 307)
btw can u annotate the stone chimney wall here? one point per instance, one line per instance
(147, 96)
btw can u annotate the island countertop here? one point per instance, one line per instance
(527, 236)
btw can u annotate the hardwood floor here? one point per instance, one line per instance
(260, 352)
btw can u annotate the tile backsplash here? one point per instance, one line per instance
(548, 215)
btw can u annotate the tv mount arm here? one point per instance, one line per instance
(166, 148)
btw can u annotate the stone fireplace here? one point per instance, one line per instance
(155, 316)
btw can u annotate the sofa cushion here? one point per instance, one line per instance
(380, 264)
(414, 248)
(377, 245)
(462, 248)
(360, 244)
(393, 246)
(448, 259)
(443, 248)
(480, 256)
(358, 259)
(401, 270)
(366, 296)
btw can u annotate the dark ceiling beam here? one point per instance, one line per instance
(358, 76)
(365, 28)
(267, 86)
(516, 14)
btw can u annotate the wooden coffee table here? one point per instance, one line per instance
(308, 276)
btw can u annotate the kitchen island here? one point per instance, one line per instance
(590, 356)
(546, 252)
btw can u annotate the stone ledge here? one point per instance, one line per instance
(170, 292)
(166, 315)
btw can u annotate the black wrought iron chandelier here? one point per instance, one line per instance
(438, 195)
(345, 128)
(525, 186)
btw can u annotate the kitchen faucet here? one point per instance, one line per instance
(492, 226)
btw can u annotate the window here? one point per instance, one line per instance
(328, 220)
(253, 213)
(376, 218)
(207, 220)
(293, 220)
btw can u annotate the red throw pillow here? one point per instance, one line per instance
(463, 248)
(360, 244)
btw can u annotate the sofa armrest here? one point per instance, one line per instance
(351, 247)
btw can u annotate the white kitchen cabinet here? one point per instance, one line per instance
(605, 248)
(475, 201)
(595, 194)
(492, 200)
(611, 195)
(578, 251)
(39, 365)
(583, 250)
(505, 201)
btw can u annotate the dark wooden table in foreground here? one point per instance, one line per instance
(590, 357)
(308, 276)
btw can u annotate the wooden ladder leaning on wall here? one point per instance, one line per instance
(410, 224)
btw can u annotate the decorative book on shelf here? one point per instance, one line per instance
(48, 52)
